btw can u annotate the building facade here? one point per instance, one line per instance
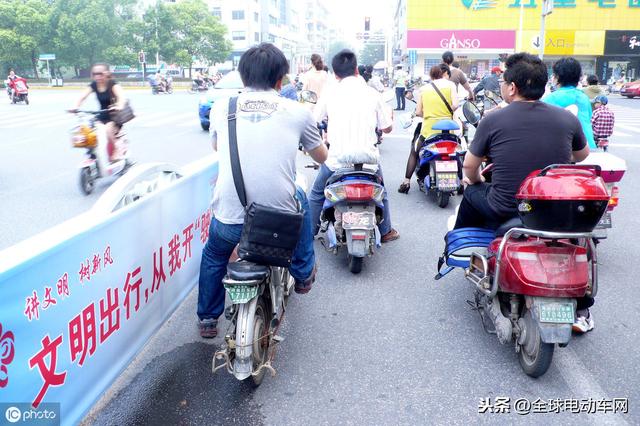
(250, 22)
(604, 35)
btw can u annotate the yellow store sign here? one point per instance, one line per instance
(564, 42)
(574, 15)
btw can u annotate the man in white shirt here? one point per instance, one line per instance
(354, 110)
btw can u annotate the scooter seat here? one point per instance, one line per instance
(342, 174)
(439, 137)
(247, 271)
(514, 222)
(446, 125)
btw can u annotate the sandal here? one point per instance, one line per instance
(404, 188)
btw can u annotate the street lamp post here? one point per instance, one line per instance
(547, 8)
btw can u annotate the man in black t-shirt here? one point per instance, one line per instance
(525, 136)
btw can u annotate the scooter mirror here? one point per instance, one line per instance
(309, 96)
(471, 113)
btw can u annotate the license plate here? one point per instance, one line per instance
(241, 293)
(447, 181)
(560, 313)
(446, 166)
(605, 221)
(358, 220)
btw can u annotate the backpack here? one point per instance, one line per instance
(460, 244)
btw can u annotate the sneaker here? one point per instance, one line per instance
(390, 236)
(303, 287)
(208, 328)
(583, 323)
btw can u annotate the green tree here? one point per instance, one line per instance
(333, 50)
(89, 31)
(23, 31)
(200, 34)
(371, 53)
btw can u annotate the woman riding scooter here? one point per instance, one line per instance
(433, 108)
(111, 98)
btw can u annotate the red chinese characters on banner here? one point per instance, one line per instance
(109, 314)
(108, 260)
(82, 334)
(84, 272)
(205, 223)
(63, 286)
(96, 263)
(32, 307)
(47, 372)
(186, 244)
(158, 271)
(48, 298)
(132, 284)
(174, 254)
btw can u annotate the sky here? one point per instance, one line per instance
(349, 14)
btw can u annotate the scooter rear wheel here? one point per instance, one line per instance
(355, 264)
(87, 182)
(443, 199)
(260, 351)
(536, 361)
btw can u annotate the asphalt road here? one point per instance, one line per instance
(39, 168)
(389, 346)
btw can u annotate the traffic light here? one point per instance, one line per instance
(141, 57)
(367, 23)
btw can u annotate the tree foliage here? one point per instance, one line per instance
(23, 30)
(83, 32)
(334, 48)
(371, 53)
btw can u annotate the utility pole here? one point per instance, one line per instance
(547, 8)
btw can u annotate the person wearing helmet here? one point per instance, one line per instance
(490, 82)
(602, 122)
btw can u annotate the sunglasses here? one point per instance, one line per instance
(97, 73)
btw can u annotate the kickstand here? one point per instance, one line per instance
(475, 306)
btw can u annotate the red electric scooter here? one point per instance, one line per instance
(529, 278)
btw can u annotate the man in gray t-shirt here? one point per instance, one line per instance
(269, 129)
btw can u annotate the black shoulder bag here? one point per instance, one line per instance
(269, 235)
(442, 97)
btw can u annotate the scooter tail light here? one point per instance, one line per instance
(445, 147)
(359, 192)
(614, 199)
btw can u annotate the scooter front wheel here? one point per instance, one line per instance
(535, 356)
(87, 182)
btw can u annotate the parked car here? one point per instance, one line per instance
(631, 89)
(229, 85)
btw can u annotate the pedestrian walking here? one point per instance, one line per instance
(400, 77)
(602, 122)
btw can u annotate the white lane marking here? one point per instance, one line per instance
(617, 133)
(168, 118)
(630, 128)
(582, 383)
(624, 145)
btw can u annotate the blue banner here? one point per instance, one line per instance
(74, 311)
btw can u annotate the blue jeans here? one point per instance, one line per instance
(316, 200)
(222, 241)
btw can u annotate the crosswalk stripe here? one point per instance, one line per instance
(629, 128)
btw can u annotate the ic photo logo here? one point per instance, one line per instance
(47, 414)
(13, 414)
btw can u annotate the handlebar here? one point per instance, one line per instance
(83, 111)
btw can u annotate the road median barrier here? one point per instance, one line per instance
(78, 301)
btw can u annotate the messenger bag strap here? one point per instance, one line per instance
(442, 97)
(238, 180)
